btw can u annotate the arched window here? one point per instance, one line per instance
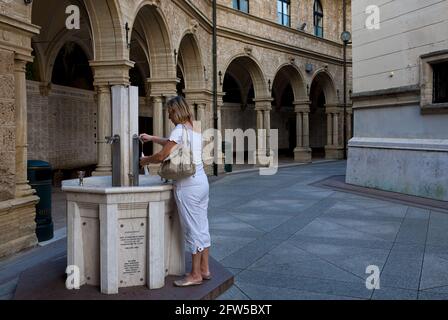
(318, 19)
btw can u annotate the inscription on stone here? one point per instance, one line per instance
(132, 246)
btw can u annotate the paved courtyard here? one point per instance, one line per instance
(284, 238)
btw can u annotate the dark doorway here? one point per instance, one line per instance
(145, 126)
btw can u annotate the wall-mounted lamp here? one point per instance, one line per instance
(126, 27)
(27, 2)
(308, 68)
(337, 92)
(308, 89)
(175, 56)
(269, 84)
(220, 78)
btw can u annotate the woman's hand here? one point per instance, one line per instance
(144, 161)
(146, 137)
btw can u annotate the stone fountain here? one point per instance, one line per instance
(124, 230)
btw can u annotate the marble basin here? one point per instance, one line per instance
(123, 236)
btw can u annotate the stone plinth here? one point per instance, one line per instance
(123, 237)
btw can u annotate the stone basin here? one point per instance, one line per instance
(121, 237)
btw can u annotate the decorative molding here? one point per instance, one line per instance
(435, 145)
(248, 50)
(387, 98)
(194, 25)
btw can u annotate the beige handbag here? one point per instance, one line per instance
(179, 164)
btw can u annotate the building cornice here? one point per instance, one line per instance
(387, 98)
(231, 33)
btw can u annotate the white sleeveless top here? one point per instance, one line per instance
(195, 138)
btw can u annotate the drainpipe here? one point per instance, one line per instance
(344, 4)
(215, 89)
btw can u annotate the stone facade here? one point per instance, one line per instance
(401, 136)
(7, 126)
(165, 45)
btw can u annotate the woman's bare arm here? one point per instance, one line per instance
(159, 140)
(159, 157)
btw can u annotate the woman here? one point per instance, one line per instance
(191, 194)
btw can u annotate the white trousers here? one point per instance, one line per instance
(192, 197)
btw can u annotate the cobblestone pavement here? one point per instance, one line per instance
(283, 238)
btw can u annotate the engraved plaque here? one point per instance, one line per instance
(132, 246)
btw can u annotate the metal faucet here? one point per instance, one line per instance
(112, 140)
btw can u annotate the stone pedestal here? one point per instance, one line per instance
(123, 237)
(334, 152)
(302, 154)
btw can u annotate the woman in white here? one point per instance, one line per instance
(191, 194)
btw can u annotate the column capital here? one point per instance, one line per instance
(302, 106)
(102, 88)
(301, 102)
(333, 108)
(111, 72)
(164, 87)
(20, 65)
(199, 96)
(263, 104)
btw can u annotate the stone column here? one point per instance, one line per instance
(23, 189)
(201, 115)
(263, 109)
(336, 129)
(162, 89)
(267, 126)
(302, 152)
(299, 129)
(334, 149)
(107, 73)
(329, 129)
(306, 131)
(260, 125)
(158, 121)
(104, 114)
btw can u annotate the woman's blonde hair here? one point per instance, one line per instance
(180, 110)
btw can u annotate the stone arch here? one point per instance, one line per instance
(292, 73)
(54, 50)
(71, 68)
(151, 26)
(325, 80)
(288, 88)
(108, 32)
(192, 66)
(253, 68)
(323, 96)
(104, 18)
(141, 71)
(54, 33)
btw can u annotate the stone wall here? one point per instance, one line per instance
(398, 146)
(301, 12)
(62, 126)
(7, 126)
